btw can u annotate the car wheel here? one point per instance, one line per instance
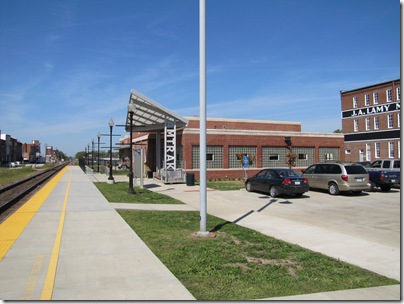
(299, 194)
(273, 192)
(333, 189)
(385, 188)
(249, 187)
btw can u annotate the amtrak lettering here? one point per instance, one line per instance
(170, 145)
(372, 110)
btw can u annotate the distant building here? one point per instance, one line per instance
(11, 149)
(31, 152)
(371, 121)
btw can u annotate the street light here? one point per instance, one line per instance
(92, 154)
(98, 156)
(110, 178)
(131, 110)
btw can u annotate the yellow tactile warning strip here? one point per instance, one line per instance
(12, 227)
(51, 274)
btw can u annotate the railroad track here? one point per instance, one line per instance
(12, 196)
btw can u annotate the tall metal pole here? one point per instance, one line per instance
(202, 118)
(92, 154)
(131, 190)
(98, 155)
(110, 178)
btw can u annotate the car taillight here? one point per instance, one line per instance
(382, 176)
(286, 181)
(344, 178)
(305, 180)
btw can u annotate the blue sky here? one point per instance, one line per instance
(67, 66)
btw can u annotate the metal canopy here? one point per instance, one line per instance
(148, 115)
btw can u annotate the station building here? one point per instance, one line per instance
(168, 144)
(371, 121)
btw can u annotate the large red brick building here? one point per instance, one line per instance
(267, 143)
(371, 121)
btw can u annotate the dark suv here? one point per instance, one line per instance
(337, 177)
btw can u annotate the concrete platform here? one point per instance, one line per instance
(95, 254)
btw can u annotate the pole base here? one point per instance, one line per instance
(203, 233)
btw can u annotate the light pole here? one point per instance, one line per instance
(98, 155)
(131, 110)
(92, 154)
(110, 178)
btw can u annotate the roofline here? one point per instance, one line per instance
(156, 104)
(246, 120)
(370, 86)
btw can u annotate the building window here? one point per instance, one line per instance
(347, 151)
(390, 121)
(389, 96)
(355, 102)
(377, 150)
(273, 156)
(367, 122)
(391, 149)
(398, 120)
(214, 156)
(376, 122)
(356, 125)
(375, 98)
(398, 149)
(367, 99)
(235, 162)
(398, 94)
(368, 152)
(305, 156)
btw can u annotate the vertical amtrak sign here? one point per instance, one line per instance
(170, 145)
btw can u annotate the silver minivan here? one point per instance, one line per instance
(337, 177)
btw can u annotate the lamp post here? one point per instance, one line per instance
(131, 110)
(110, 178)
(98, 155)
(92, 154)
(85, 157)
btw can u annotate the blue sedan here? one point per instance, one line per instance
(277, 181)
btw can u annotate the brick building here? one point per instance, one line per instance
(228, 140)
(371, 121)
(31, 152)
(10, 149)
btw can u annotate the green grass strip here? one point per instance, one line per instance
(118, 193)
(239, 263)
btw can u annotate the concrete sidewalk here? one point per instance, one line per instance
(99, 257)
(378, 257)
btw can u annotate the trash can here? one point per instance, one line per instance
(190, 179)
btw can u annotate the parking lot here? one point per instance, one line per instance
(360, 229)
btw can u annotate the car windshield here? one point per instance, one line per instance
(286, 173)
(355, 170)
